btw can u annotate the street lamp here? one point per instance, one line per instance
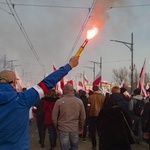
(130, 46)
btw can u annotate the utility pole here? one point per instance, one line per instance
(130, 46)
(4, 64)
(12, 64)
(97, 63)
(93, 69)
(100, 71)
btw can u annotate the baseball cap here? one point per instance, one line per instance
(7, 76)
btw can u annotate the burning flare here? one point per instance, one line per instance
(90, 34)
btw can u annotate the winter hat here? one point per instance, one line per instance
(7, 76)
(122, 90)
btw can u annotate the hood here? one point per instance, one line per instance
(68, 89)
(138, 97)
(117, 96)
(51, 99)
(7, 93)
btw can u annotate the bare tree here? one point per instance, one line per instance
(124, 74)
(147, 78)
(120, 75)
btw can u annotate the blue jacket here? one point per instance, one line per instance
(14, 110)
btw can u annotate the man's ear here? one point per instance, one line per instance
(14, 83)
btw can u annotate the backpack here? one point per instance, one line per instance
(138, 107)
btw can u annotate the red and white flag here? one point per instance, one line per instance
(142, 80)
(85, 79)
(70, 82)
(60, 85)
(122, 85)
(80, 84)
(54, 68)
(97, 79)
(19, 85)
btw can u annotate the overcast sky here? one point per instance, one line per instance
(53, 31)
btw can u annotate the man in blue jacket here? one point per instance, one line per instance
(14, 106)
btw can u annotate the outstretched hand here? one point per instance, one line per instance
(74, 60)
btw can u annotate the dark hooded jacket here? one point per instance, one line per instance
(112, 130)
(121, 101)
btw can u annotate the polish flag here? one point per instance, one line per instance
(97, 79)
(80, 84)
(122, 85)
(54, 68)
(85, 79)
(19, 85)
(142, 80)
(60, 85)
(70, 82)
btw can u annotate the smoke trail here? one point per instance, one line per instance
(100, 12)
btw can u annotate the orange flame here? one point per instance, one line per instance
(91, 33)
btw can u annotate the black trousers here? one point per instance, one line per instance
(93, 129)
(40, 126)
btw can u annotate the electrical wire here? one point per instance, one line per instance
(5, 11)
(21, 27)
(142, 5)
(76, 7)
(82, 28)
(33, 5)
(117, 61)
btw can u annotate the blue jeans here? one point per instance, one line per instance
(137, 127)
(68, 140)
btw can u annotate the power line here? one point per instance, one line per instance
(74, 7)
(142, 5)
(82, 28)
(21, 27)
(5, 11)
(55, 6)
(117, 61)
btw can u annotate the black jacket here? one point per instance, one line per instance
(112, 130)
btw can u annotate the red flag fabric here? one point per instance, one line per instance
(80, 84)
(59, 86)
(54, 68)
(122, 84)
(62, 83)
(142, 80)
(85, 79)
(97, 79)
(70, 82)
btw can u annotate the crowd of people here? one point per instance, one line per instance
(114, 117)
(112, 121)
